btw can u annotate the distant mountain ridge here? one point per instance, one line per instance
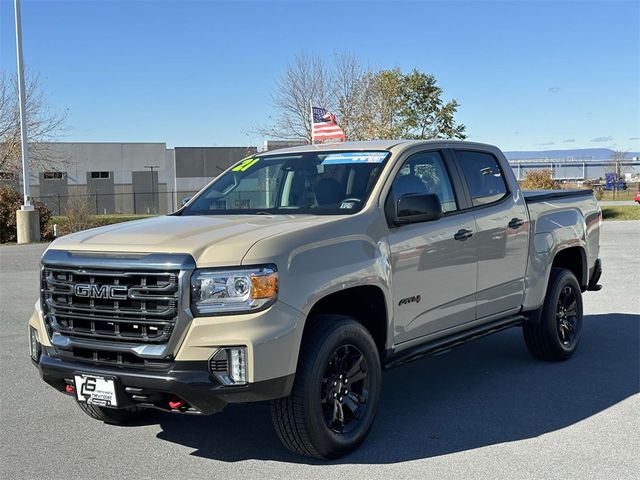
(583, 153)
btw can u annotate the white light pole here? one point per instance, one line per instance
(27, 221)
(23, 114)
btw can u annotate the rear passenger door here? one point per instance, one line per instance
(433, 263)
(502, 235)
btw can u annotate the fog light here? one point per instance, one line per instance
(238, 363)
(34, 344)
(229, 365)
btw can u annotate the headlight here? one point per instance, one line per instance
(233, 291)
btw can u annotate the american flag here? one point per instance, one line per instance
(325, 126)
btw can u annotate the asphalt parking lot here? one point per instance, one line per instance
(484, 410)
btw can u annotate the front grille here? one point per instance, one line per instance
(98, 356)
(141, 308)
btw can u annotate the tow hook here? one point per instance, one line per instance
(176, 403)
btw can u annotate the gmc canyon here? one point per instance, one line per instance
(298, 275)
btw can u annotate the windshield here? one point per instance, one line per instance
(322, 183)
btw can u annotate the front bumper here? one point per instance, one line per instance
(188, 380)
(272, 339)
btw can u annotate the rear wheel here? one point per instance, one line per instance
(123, 416)
(335, 395)
(554, 333)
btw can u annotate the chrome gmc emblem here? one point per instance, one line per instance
(91, 290)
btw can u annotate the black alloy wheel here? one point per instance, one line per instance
(335, 395)
(567, 315)
(553, 332)
(345, 389)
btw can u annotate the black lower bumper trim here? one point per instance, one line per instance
(188, 380)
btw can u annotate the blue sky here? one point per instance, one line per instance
(528, 75)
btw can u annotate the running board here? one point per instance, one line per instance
(443, 344)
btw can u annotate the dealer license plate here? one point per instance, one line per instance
(99, 391)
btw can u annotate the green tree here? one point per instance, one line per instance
(382, 105)
(409, 105)
(424, 115)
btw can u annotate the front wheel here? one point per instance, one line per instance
(335, 394)
(554, 334)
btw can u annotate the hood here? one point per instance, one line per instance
(213, 241)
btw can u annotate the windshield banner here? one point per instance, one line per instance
(354, 157)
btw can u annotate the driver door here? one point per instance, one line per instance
(434, 267)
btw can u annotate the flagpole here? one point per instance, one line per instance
(311, 118)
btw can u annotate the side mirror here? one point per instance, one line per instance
(414, 208)
(184, 201)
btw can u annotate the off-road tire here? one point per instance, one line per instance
(122, 416)
(300, 419)
(542, 332)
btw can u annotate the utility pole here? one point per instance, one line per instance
(27, 218)
(615, 188)
(153, 193)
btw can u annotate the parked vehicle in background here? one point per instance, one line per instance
(613, 181)
(637, 197)
(298, 275)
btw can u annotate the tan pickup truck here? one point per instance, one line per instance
(298, 275)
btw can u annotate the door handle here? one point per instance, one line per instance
(463, 234)
(516, 223)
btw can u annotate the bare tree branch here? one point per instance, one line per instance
(304, 82)
(368, 104)
(43, 124)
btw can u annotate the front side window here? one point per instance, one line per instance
(425, 173)
(483, 176)
(310, 182)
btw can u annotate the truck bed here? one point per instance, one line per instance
(560, 219)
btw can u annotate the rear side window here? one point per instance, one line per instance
(483, 176)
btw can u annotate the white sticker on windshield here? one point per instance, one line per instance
(354, 157)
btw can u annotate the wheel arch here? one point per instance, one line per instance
(573, 259)
(364, 303)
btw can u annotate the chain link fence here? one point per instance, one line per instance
(126, 203)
